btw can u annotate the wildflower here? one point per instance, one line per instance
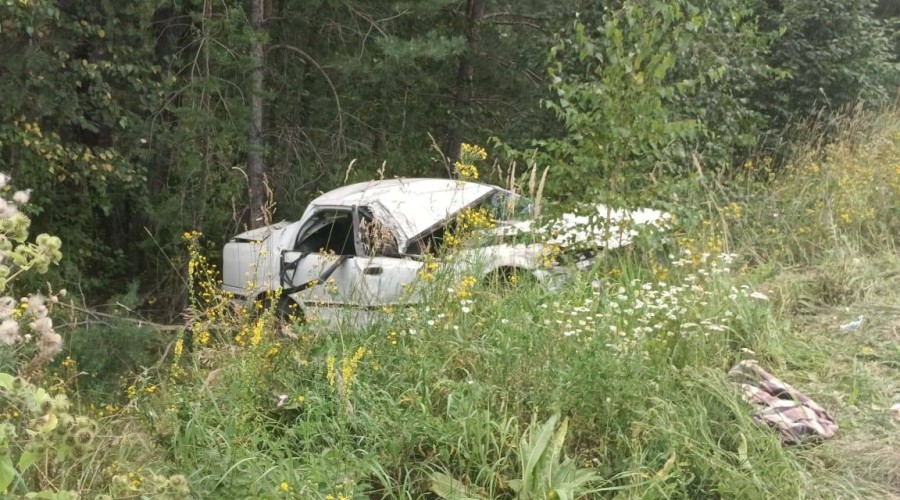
(9, 332)
(51, 343)
(472, 150)
(42, 325)
(7, 210)
(21, 197)
(348, 367)
(285, 487)
(330, 374)
(759, 296)
(179, 348)
(466, 171)
(36, 305)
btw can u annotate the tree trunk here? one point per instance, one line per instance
(256, 169)
(464, 75)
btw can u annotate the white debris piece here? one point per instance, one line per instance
(853, 325)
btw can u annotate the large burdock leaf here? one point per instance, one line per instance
(26, 460)
(451, 489)
(533, 447)
(7, 472)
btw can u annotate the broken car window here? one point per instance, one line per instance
(329, 232)
(507, 206)
(377, 238)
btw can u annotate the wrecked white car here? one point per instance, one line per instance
(364, 247)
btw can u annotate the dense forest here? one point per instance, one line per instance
(133, 122)
(137, 137)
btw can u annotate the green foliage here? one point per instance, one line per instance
(854, 203)
(651, 91)
(544, 473)
(101, 102)
(429, 391)
(133, 116)
(39, 430)
(836, 53)
(611, 93)
(719, 78)
(27, 338)
(432, 46)
(48, 450)
(134, 347)
(77, 90)
(133, 119)
(634, 353)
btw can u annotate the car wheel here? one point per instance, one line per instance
(286, 310)
(509, 278)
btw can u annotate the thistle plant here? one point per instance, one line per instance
(40, 432)
(36, 428)
(42, 441)
(25, 325)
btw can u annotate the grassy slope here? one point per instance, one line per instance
(633, 354)
(636, 363)
(855, 374)
(827, 236)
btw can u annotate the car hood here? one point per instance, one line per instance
(409, 207)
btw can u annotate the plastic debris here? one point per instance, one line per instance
(853, 325)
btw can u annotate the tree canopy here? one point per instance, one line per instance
(138, 121)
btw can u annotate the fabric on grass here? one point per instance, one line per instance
(781, 406)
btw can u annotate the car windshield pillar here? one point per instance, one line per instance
(357, 242)
(329, 231)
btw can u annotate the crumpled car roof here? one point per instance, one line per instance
(409, 206)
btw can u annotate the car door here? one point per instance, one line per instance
(387, 275)
(319, 271)
(387, 281)
(355, 257)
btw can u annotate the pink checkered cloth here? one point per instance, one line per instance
(781, 406)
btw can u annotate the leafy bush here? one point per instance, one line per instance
(647, 90)
(835, 54)
(48, 449)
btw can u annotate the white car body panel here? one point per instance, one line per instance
(262, 260)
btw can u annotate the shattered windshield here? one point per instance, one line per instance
(507, 206)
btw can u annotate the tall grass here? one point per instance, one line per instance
(630, 356)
